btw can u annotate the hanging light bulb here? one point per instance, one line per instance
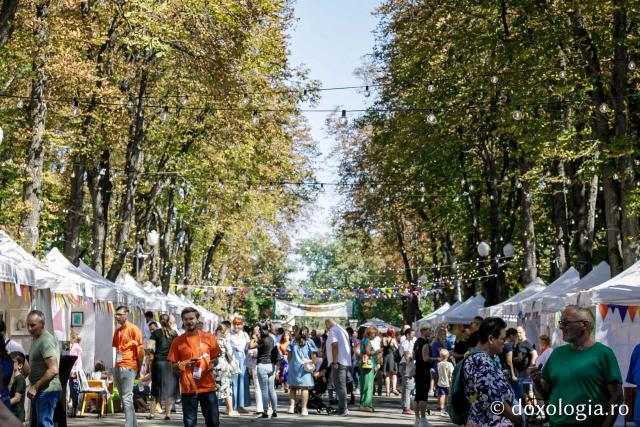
(430, 86)
(1, 135)
(494, 79)
(305, 96)
(245, 99)
(517, 113)
(632, 65)
(563, 74)
(343, 118)
(255, 119)
(367, 92)
(603, 108)
(431, 118)
(518, 184)
(73, 174)
(20, 103)
(75, 108)
(164, 116)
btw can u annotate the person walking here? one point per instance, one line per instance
(126, 340)
(421, 355)
(368, 362)
(74, 382)
(406, 351)
(545, 350)
(339, 358)
(44, 357)
(389, 362)
(266, 372)
(251, 363)
(193, 354)
(164, 384)
(445, 374)
(283, 372)
(225, 369)
(239, 341)
(302, 354)
(583, 373)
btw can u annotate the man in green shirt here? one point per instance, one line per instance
(581, 381)
(43, 371)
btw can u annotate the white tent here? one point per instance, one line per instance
(440, 317)
(595, 277)
(512, 305)
(622, 289)
(380, 324)
(557, 290)
(106, 290)
(431, 316)
(465, 312)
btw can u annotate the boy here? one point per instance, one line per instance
(19, 386)
(445, 372)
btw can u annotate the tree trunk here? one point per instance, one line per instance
(222, 273)
(166, 240)
(135, 159)
(32, 187)
(100, 188)
(74, 216)
(585, 196)
(560, 263)
(7, 15)
(211, 252)
(529, 263)
(188, 254)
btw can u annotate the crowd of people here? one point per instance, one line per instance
(465, 375)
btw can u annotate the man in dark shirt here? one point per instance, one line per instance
(524, 353)
(462, 345)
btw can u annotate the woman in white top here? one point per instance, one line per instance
(239, 341)
(545, 350)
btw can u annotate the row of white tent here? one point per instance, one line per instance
(537, 307)
(61, 290)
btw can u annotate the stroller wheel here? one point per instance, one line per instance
(330, 410)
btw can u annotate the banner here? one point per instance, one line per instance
(287, 308)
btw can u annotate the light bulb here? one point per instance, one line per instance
(255, 119)
(245, 99)
(305, 96)
(431, 118)
(494, 79)
(1, 135)
(367, 92)
(517, 113)
(632, 65)
(615, 176)
(20, 103)
(518, 184)
(75, 108)
(563, 74)
(343, 118)
(603, 108)
(73, 174)
(430, 86)
(164, 116)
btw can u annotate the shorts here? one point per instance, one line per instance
(443, 391)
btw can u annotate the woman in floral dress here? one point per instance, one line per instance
(484, 382)
(225, 370)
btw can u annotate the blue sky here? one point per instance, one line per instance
(330, 38)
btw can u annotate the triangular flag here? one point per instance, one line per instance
(623, 311)
(603, 309)
(613, 307)
(632, 312)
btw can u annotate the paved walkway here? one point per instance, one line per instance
(387, 414)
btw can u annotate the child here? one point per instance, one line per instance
(445, 372)
(19, 386)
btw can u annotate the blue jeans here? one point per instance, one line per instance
(238, 381)
(266, 374)
(74, 390)
(42, 408)
(208, 404)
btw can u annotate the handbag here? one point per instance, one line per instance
(366, 362)
(307, 364)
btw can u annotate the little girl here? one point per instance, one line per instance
(445, 372)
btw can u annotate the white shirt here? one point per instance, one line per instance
(13, 345)
(406, 346)
(146, 333)
(338, 335)
(239, 341)
(375, 343)
(445, 372)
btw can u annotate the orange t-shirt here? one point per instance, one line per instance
(189, 347)
(121, 337)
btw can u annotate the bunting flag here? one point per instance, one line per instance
(632, 312)
(603, 309)
(622, 310)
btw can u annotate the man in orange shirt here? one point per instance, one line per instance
(193, 354)
(126, 341)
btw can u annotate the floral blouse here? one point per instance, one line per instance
(484, 383)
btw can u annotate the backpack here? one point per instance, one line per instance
(459, 406)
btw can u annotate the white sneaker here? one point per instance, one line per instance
(304, 412)
(292, 410)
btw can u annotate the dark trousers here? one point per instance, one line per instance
(208, 404)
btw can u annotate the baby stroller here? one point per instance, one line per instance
(315, 395)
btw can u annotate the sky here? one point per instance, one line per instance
(330, 39)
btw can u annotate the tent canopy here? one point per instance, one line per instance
(622, 289)
(380, 324)
(556, 290)
(432, 316)
(465, 312)
(512, 305)
(59, 264)
(107, 290)
(595, 277)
